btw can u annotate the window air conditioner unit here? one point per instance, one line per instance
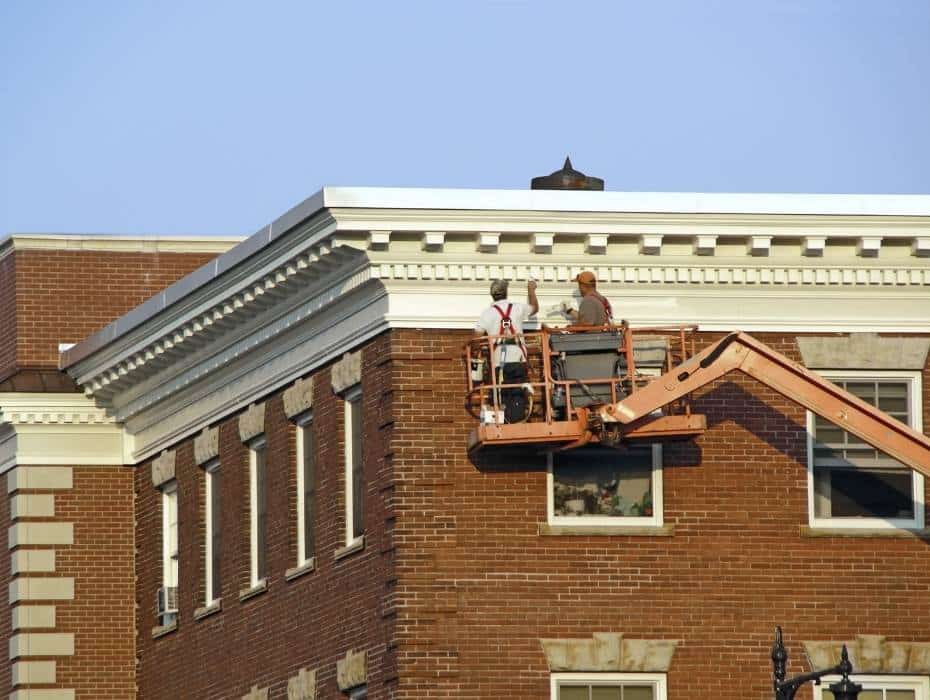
(167, 605)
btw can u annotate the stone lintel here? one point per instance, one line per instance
(863, 351)
(302, 686)
(41, 478)
(252, 422)
(872, 653)
(609, 651)
(352, 670)
(43, 694)
(347, 372)
(207, 445)
(299, 397)
(256, 693)
(163, 468)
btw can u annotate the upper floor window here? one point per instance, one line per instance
(881, 688)
(257, 512)
(852, 484)
(354, 475)
(602, 486)
(167, 595)
(213, 536)
(608, 686)
(306, 490)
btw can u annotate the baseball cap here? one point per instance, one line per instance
(585, 277)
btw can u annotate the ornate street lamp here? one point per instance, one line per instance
(843, 689)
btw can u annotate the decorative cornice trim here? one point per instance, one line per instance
(872, 653)
(609, 652)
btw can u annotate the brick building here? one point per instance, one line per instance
(273, 447)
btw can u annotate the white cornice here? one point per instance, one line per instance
(50, 429)
(317, 283)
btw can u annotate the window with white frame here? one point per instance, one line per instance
(306, 490)
(602, 486)
(213, 533)
(360, 693)
(167, 603)
(354, 475)
(257, 512)
(881, 687)
(608, 686)
(852, 484)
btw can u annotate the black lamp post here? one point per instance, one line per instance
(843, 689)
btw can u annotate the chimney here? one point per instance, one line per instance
(567, 179)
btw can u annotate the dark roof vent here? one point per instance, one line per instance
(567, 179)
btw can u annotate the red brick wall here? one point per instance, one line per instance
(102, 614)
(477, 586)
(64, 296)
(7, 315)
(310, 621)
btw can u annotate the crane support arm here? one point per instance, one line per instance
(739, 351)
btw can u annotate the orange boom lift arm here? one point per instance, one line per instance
(739, 351)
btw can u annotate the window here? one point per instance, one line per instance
(360, 693)
(881, 688)
(257, 514)
(306, 490)
(213, 584)
(602, 486)
(608, 686)
(851, 484)
(354, 477)
(167, 605)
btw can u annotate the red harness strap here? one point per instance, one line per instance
(506, 324)
(606, 304)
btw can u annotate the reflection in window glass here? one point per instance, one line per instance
(852, 479)
(603, 482)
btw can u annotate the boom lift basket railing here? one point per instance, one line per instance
(570, 370)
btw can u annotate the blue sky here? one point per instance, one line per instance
(215, 117)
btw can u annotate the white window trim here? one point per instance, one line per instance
(303, 422)
(168, 491)
(655, 520)
(919, 684)
(914, 390)
(209, 469)
(254, 447)
(658, 679)
(352, 395)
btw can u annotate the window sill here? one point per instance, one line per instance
(299, 571)
(545, 529)
(255, 590)
(208, 610)
(162, 630)
(356, 545)
(808, 531)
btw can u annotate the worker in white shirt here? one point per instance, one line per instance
(503, 320)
